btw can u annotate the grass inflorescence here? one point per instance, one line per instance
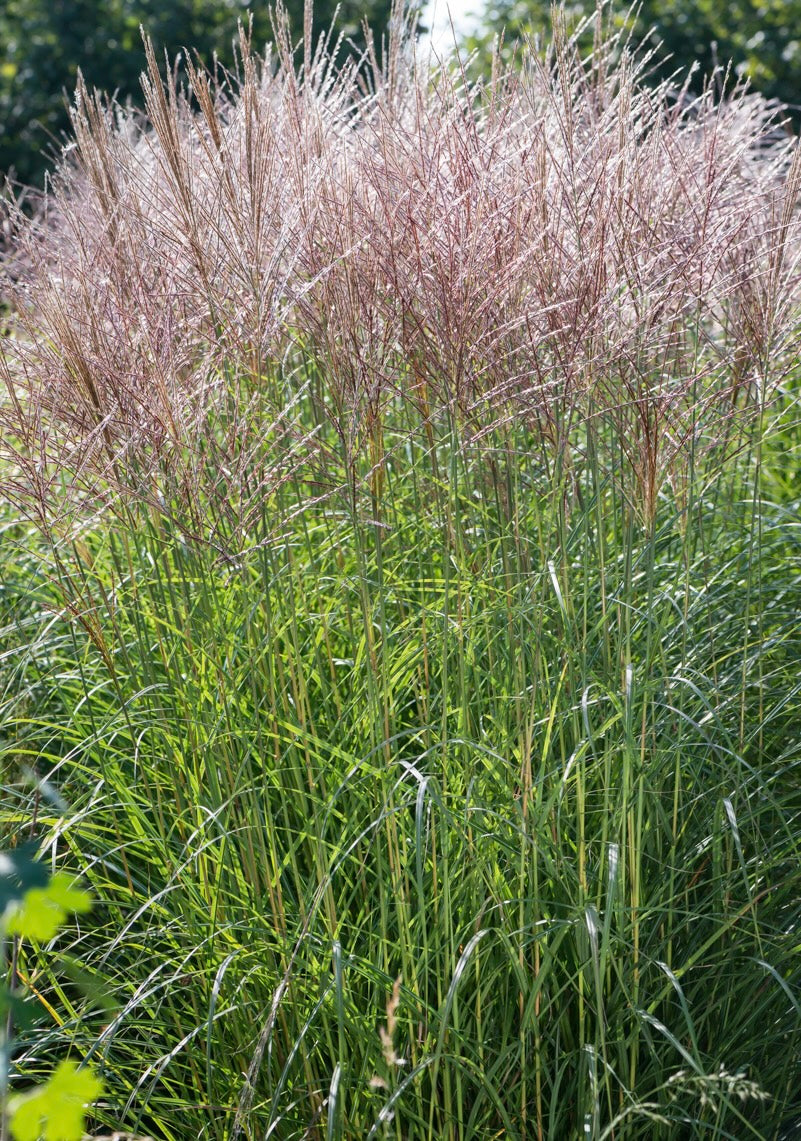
(400, 584)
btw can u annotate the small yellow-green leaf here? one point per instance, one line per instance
(55, 1111)
(62, 891)
(37, 917)
(44, 909)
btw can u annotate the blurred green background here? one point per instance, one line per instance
(762, 40)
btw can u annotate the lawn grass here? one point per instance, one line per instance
(417, 658)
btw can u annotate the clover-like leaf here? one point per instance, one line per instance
(55, 1111)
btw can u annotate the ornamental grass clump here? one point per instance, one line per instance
(400, 583)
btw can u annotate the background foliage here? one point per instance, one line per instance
(762, 41)
(43, 44)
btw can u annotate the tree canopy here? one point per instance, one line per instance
(43, 44)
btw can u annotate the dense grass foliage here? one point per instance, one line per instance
(401, 589)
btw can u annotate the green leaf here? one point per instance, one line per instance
(55, 1111)
(43, 910)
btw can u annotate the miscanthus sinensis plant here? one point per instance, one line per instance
(401, 580)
